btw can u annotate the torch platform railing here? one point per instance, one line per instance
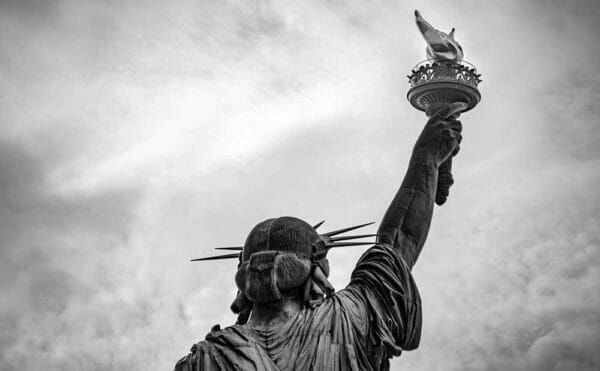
(443, 82)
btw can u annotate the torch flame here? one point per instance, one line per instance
(440, 46)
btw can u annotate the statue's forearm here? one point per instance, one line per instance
(407, 219)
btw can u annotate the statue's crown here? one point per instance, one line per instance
(289, 234)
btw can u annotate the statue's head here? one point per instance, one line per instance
(278, 259)
(284, 258)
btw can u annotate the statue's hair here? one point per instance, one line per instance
(269, 273)
(289, 277)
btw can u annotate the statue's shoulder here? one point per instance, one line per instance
(211, 348)
(215, 350)
(234, 335)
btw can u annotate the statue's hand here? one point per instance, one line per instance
(440, 138)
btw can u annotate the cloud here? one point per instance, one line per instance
(137, 136)
(53, 255)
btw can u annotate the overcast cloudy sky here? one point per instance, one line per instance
(137, 135)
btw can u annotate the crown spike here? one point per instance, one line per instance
(318, 224)
(234, 248)
(342, 244)
(218, 257)
(333, 233)
(343, 238)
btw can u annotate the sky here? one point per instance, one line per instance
(137, 135)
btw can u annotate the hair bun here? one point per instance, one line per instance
(267, 273)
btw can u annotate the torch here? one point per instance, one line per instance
(443, 78)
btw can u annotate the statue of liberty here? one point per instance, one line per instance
(289, 315)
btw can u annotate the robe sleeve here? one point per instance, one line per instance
(386, 293)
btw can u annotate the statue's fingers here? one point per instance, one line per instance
(446, 111)
(440, 114)
(451, 140)
(457, 136)
(440, 124)
(456, 108)
(455, 115)
(455, 125)
(456, 150)
(450, 134)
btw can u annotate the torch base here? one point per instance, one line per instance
(428, 94)
(443, 82)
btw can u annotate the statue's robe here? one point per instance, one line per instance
(359, 328)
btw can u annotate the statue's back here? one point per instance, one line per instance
(359, 328)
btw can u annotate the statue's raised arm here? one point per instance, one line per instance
(285, 323)
(407, 220)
